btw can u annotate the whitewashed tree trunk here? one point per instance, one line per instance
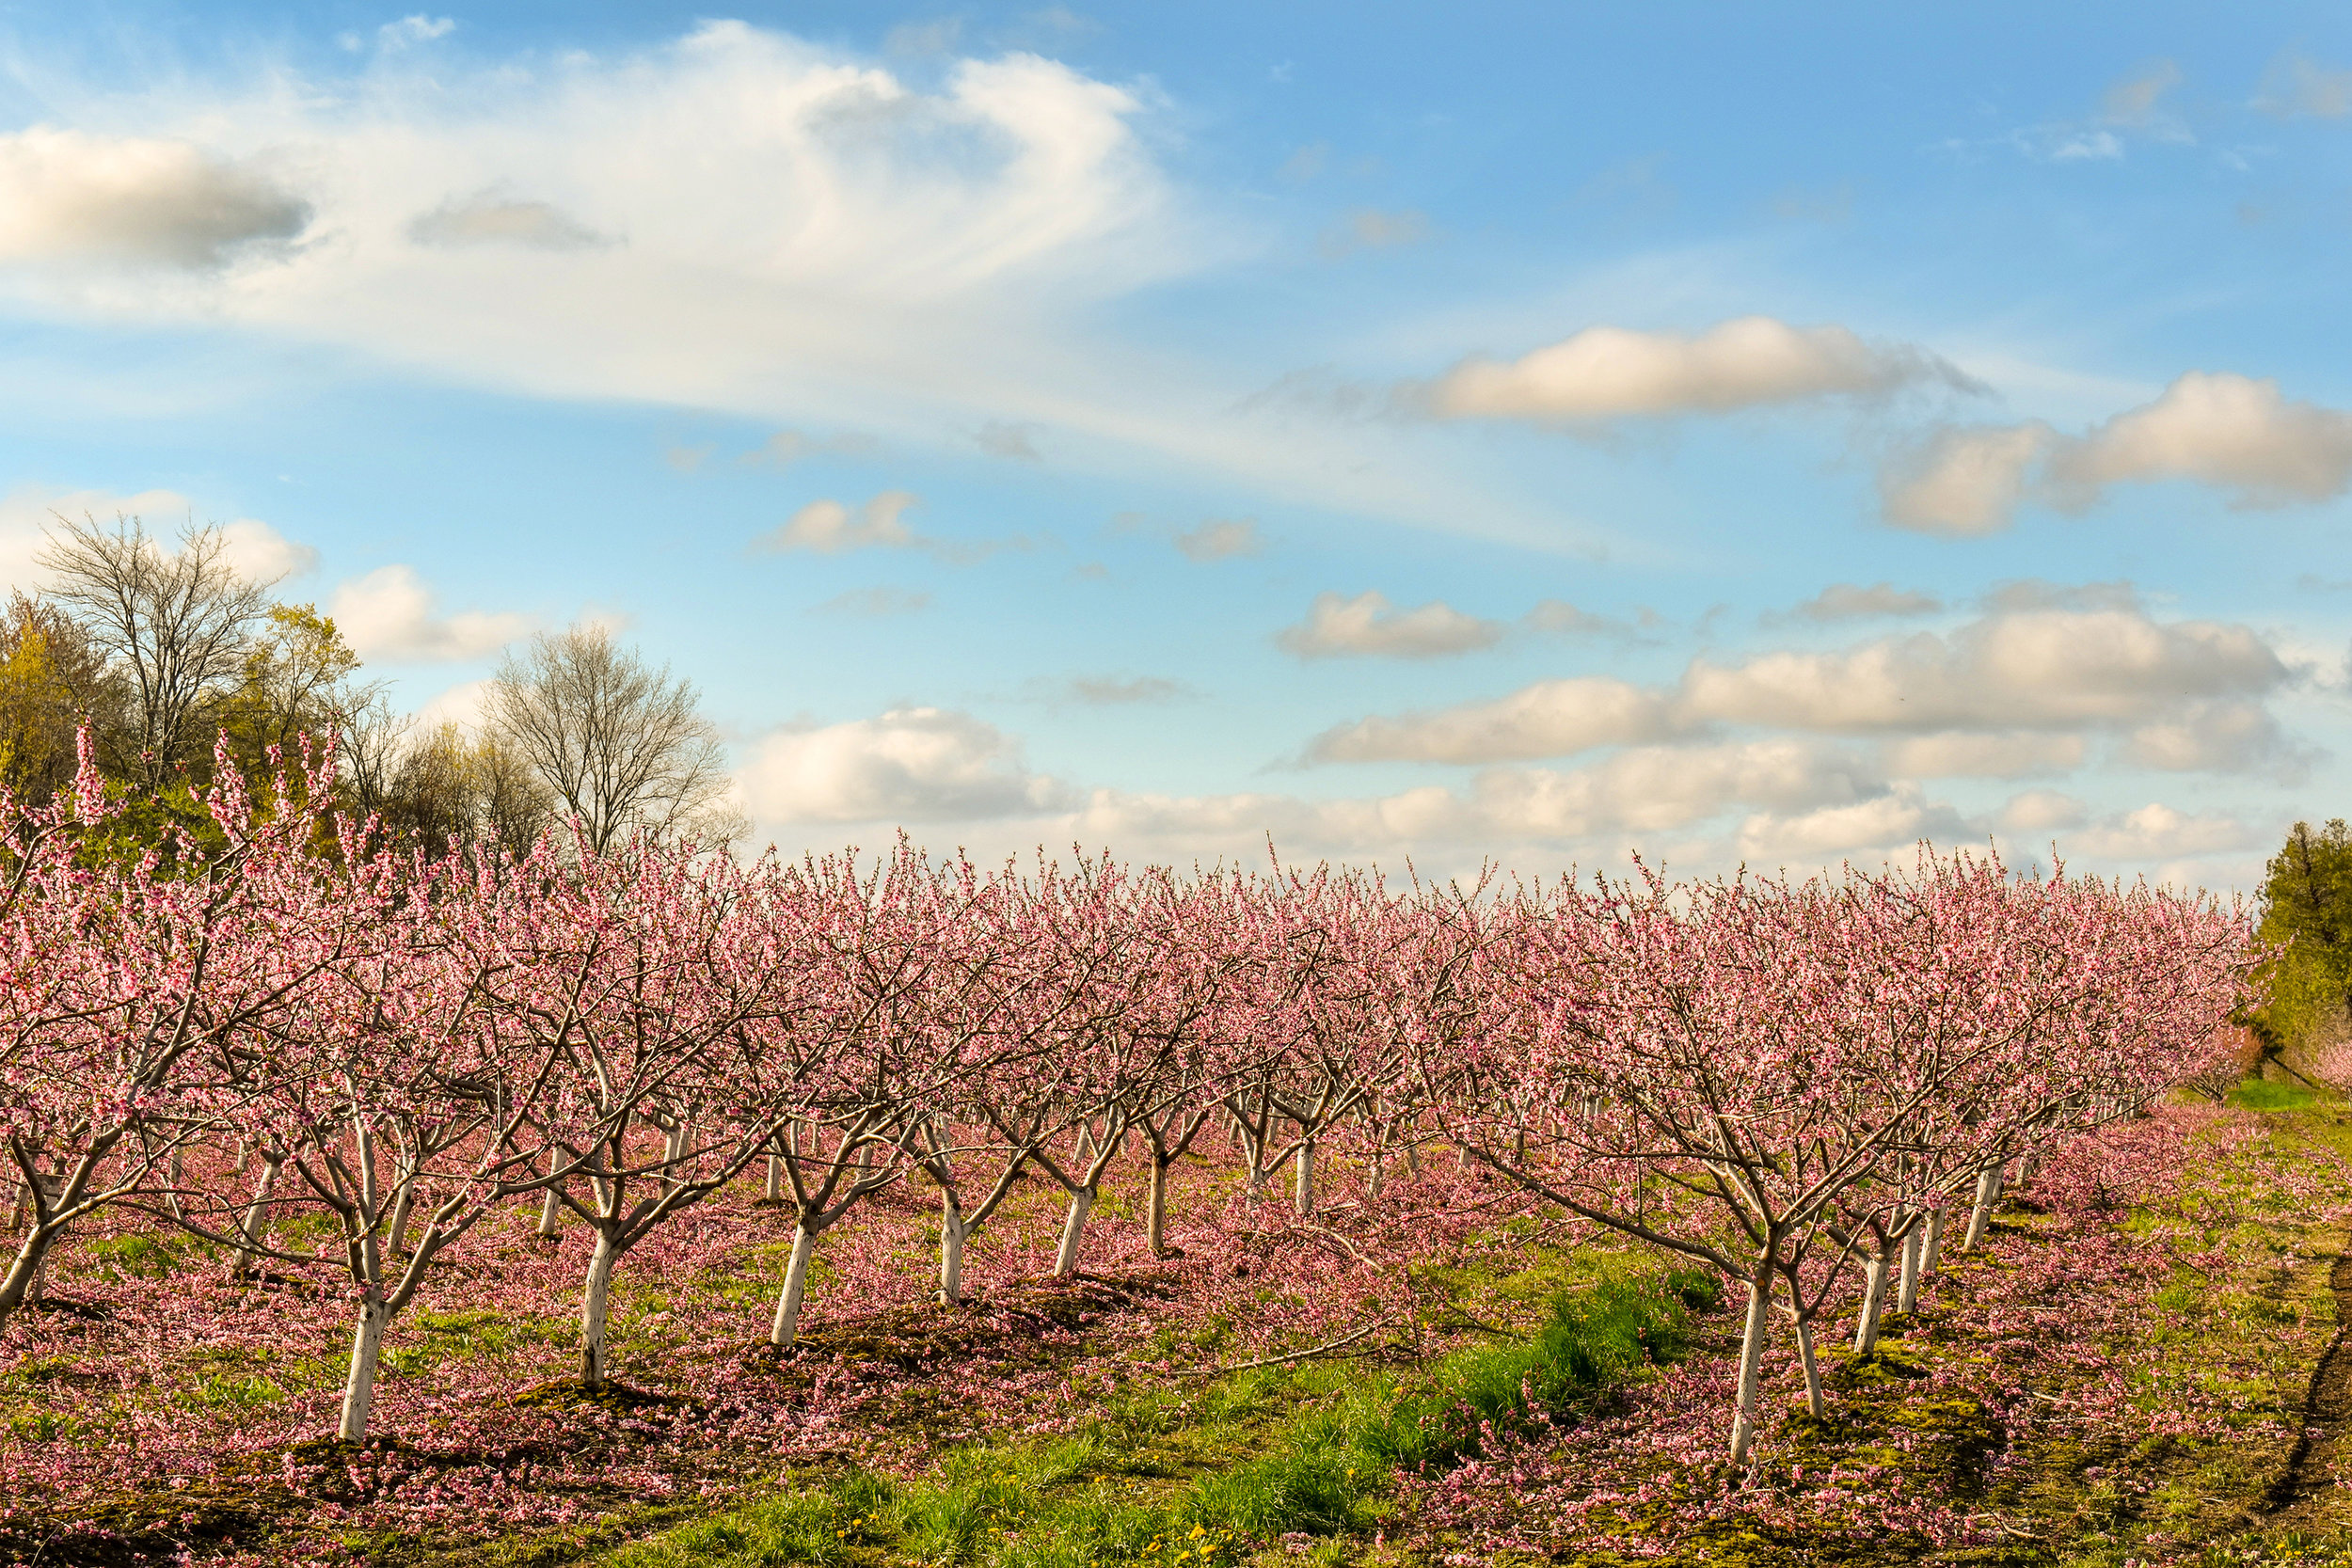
(1751, 1364)
(1907, 1299)
(551, 1216)
(1072, 1232)
(1814, 1401)
(1413, 1157)
(1372, 1176)
(1866, 1330)
(595, 1302)
(367, 1347)
(952, 1231)
(1303, 1185)
(1155, 1219)
(1933, 1251)
(248, 1260)
(775, 1180)
(786, 1327)
(1988, 1193)
(397, 1229)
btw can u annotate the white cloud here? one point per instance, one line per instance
(1550, 719)
(2230, 736)
(1963, 480)
(2231, 432)
(2029, 668)
(1109, 690)
(1607, 372)
(256, 550)
(2157, 831)
(2012, 693)
(829, 528)
(908, 765)
(2235, 433)
(1844, 601)
(1559, 618)
(1219, 538)
(489, 218)
(390, 613)
(462, 704)
(1881, 824)
(2001, 754)
(1368, 625)
(2040, 811)
(66, 195)
(251, 547)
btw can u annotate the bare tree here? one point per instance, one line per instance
(174, 629)
(622, 745)
(445, 786)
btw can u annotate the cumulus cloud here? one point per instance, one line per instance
(251, 547)
(1963, 480)
(2156, 830)
(1219, 538)
(489, 217)
(829, 528)
(2239, 435)
(1337, 627)
(908, 765)
(391, 614)
(68, 195)
(1607, 372)
(2028, 669)
(2040, 811)
(2018, 692)
(1887, 822)
(1845, 601)
(260, 552)
(2232, 432)
(1550, 719)
(1997, 754)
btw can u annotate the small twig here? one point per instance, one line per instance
(1299, 1354)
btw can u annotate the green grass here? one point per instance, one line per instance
(2260, 1094)
(1160, 1479)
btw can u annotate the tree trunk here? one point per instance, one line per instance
(248, 1260)
(952, 1231)
(551, 1216)
(1751, 1364)
(1907, 1298)
(776, 1182)
(367, 1345)
(1372, 1176)
(786, 1327)
(1933, 1252)
(1814, 1401)
(1073, 1231)
(1303, 1185)
(1988, 1193)
(1866, 1328)
(1155, 1219)
(1412, 1158)
(397, 1230)
(594, 1304)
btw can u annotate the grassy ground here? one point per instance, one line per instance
(2111, 1385)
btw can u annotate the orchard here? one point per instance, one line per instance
(1244, 1121)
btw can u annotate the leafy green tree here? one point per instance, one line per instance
(2307, 911)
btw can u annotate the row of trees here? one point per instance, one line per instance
(158, 651)
(1787, 1081)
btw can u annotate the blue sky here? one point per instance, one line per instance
(1520, 432)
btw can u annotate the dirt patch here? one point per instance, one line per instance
(2315, 1464)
